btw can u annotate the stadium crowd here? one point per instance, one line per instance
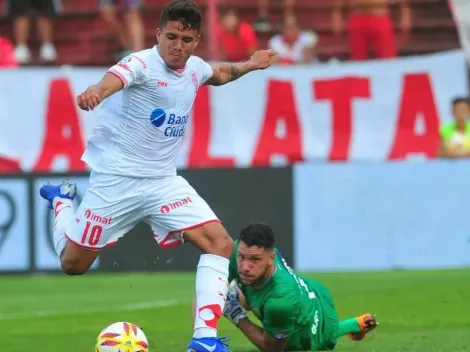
(379, 26)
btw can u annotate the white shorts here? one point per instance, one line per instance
(113, 205)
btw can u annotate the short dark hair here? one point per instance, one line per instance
(459, 100)
(259, 235)
(184, 11)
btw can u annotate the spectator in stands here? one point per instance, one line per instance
(294, 46)
(262, 24)
(7, 54)
(237, 38)
(370, 27)
(455, 135)
(21, 11)
(132, 35)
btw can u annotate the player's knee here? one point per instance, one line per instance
(73, 267)
(211, 239)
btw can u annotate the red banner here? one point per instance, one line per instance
(382, 110)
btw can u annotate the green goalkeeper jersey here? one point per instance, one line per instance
(292, 307)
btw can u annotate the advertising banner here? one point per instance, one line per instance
(237, 196)
(14, 225)
(371, 216)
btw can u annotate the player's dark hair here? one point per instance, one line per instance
(259, 235)
(459, 100)
(184, 11)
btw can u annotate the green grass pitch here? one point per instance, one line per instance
(425, 311)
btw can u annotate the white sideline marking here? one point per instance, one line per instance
(122, 308)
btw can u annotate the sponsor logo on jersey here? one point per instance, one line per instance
(129, 58)
(123, 63)
(316, 320)
(125, 67)
(165, 209)
(158, 117)
(89, 215)
(175, 125)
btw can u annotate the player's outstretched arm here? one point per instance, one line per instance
(260, 338)
(224, 73)
(96, 93)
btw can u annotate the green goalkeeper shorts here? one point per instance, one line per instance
(325, 340)
(321, 333)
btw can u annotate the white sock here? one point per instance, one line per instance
(64, 213)
(211, 293)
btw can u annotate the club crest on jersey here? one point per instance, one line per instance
(175, 125)
(195, 80)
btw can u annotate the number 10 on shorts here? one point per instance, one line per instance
(93, 233)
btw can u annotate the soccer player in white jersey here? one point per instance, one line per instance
(145, 102)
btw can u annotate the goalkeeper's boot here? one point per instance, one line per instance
(65, 191)
(208, 344)
(367, 322)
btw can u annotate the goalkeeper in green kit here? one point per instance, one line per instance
(297, 314)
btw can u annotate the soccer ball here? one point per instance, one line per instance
(122, 337)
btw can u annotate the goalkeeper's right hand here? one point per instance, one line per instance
(233, 310)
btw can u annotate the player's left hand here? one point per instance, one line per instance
(89, 99)
(262, 59)
(233, 310)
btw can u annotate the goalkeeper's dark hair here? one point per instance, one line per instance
(259, 235)
(184, 11)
